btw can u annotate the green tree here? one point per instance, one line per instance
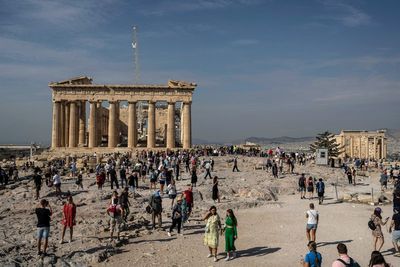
(326, 140)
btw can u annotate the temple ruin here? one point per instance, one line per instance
(148, 116)
(363, 144)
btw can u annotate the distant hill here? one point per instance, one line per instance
(278, 140)
(393, 133)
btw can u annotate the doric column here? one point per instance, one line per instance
(382, 149)
(151, 125)
(359, 149)
(82, 123)
(187, 126)
(92, 125)
(351, 147)
(99, 124)
(171, 125)
(55, 133)
(375, 157)
(132, 125)
(73, 124)
(181, 126)
(367, 149)
(112, 123)
(66, 124)
(62, 124)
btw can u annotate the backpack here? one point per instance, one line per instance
(371, 225)
(350, 264)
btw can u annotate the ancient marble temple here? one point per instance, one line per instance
(72, 128)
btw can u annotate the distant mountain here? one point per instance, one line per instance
(274, 140)
(393, 133)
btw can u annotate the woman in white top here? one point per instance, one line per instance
(312, 223)
(172, 192)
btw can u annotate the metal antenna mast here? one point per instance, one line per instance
(135, 55)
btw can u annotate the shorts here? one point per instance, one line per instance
(396, 236)
(162, 182)
(115, 223)
(311, 226)
(172, 196)
(302, 189)
(43, 232)
(153, 180)
(57, 185)
(310, 189)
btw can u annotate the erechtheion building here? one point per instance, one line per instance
(362, 144)
(150, 115)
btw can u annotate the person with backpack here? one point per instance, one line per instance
(176, 216)
(302, 186)
(377, 234)
(155, 203)
(344, 260)
(124, 202)
(116, 213)
(312, 223)
(395, 226)
(312, 258)
(320, 186)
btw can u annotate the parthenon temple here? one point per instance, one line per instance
(363, 144)
(148, 116)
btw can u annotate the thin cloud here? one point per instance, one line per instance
(346, 14)
(245, 42)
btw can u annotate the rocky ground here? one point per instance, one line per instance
(270, 214)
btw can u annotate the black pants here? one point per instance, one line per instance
(350, 179)
(122, 182)
(114, 180)
(208, 174)
(176, 222)
(235, 168)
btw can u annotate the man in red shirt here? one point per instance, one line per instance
(189, 199)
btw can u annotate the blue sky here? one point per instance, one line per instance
(263, 68)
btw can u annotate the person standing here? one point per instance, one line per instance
(188, 193)
(124, 202)
(155, 203)
(344, 260)
(43, 213)
(116, 213)
(312, 258)
(230, 235)
(302, 186)
(122, 175)
(193, 179)
(215, 191)
(383, 180)
(312, 223)
(235, 167)
(213, 228)
(176, 216)
(377, 260)
(113, 178)
(377, 234)
(310, 187)
(395, 230)
(68, 221)
(37, 178)
(320, 186)
(349, 175)
(275, 169)
(172, 192)
(100, 179)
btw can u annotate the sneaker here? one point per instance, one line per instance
(215, 259)
(169, 233)
(61, 241)
(209, 255)
(227, 258)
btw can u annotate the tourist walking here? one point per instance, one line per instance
(230, 235)
(312, 223)
(235, 167)
(68, 221)
(124, 202)
(302, 186)
(275, 169)
(193, 178)
(383, 180)
(212, 231)
(57, 184)
(395, 230)
(122, 175)
(344, 259)
(37, 178)
(176, 216)
(155, 203)
(116, 213)
(172, 192)
(215, 191)
(310, 187)
(320, 187)
(162, 180)
(349, 175)
(188, 193)
(208, 170)
(312, 258)
(377, 234)
(43, 212)
(113, 178)
(100, 179)
(79, 180)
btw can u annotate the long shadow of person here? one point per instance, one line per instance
(256, 251)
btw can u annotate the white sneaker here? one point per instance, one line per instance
(169, 233)
(209, 255)
(227, 258)
(215, 259)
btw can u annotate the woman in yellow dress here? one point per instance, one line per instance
(213, 229)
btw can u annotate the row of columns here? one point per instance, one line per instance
(69, 124)
(377, 154)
